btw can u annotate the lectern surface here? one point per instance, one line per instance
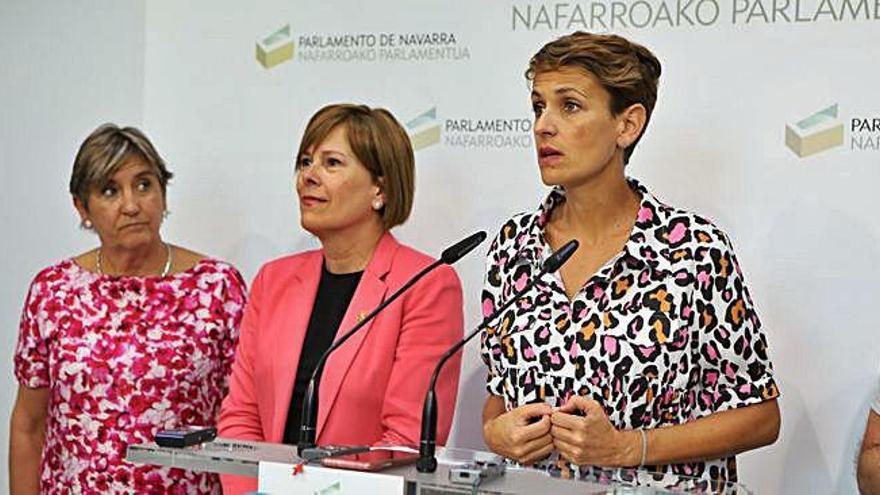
(241, 457)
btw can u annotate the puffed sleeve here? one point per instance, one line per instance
(31, 360)
(233, 299)
(239, 415)
(735, 368)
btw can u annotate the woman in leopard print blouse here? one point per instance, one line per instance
(644, 351)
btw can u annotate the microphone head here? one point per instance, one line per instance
(457, 251)
(557, 259)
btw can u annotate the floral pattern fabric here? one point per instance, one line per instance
(664, 333)
(125, 357)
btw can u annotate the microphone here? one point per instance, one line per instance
(427, 462)
(457, 251)
(308, 429)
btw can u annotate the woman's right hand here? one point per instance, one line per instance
(521, 434)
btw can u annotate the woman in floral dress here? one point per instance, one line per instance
(127, 339)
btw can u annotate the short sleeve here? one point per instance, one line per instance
(31, 359)
(735, 368)
(234, 298)
(490, 346)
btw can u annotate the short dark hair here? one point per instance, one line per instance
(627, 70)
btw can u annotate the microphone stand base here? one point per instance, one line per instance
(426, 464)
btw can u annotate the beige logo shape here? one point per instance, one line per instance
(275, 48)
(424, 129)
(818, 132)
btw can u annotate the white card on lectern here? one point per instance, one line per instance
(281, 478)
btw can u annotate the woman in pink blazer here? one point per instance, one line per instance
(355, 181)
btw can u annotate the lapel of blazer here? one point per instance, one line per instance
(370, 293)
(299, 297)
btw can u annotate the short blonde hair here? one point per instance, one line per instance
(104, 151)
(380, 143)
(627, 70)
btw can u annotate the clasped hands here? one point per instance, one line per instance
(579, 430)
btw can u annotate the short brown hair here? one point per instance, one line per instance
(380, 143)
(627, 70)
(105, 150)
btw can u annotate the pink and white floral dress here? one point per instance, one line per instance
(125, 357)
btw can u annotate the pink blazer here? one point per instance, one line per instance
(373, 386)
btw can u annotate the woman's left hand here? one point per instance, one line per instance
(583, 434)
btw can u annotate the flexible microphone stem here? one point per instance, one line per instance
(308, 429)
(427, 462)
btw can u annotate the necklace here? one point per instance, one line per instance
(165, 270)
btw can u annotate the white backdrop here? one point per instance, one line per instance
(804, 228)
(65, 67)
